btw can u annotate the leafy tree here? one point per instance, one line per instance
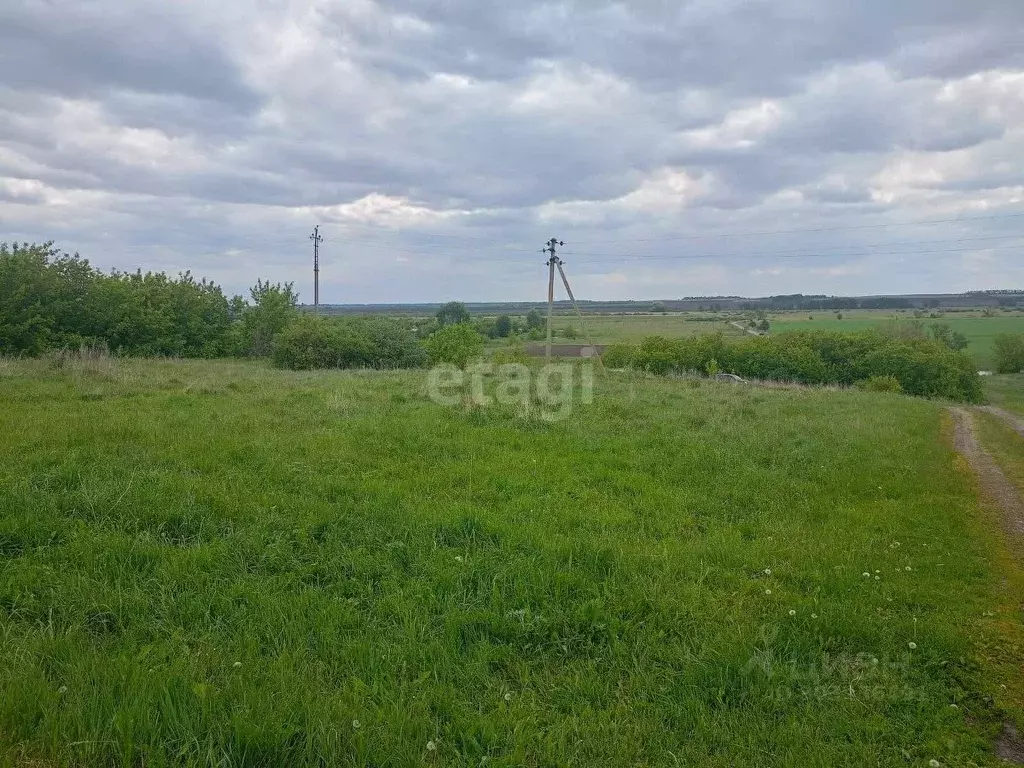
(534, 320)
(452, 313)
(274, 306)
(503, 326)
(944, 334)
(455, 344)
(764, 326)
(1009, 352)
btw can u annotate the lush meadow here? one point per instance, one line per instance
(215, 563)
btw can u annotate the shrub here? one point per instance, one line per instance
(502, 326)
(880, 384)
(312, 342)
(452, 313)
(1009, 352)
(619, 356)
(513, 353)
(455, 344)
(391, 343)
(921, 366)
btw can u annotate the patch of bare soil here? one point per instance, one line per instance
(1010, 746)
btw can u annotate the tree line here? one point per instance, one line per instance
(54, 300)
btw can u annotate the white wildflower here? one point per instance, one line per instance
(508, 697)
(431, 746)
(792, 612)
(356, 724)
(237, 664)
(767, 591)
(767, 571)
(912, 645)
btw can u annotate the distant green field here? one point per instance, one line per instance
(219, 564)
(627, 329)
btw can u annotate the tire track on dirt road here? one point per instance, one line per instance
(999, 490)
(994, 484)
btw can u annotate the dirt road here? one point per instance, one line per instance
(1004, 495)
(994, 484)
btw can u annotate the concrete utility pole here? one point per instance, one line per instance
(552, 263)
(315, 237)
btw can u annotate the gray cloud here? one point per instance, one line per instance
(212, 137)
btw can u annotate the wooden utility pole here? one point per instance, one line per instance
(583, 323)
(315, 237)
(552, 262)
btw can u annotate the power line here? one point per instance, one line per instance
(803, 231)
(891, 244)
(769, 255)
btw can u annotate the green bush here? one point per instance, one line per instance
(455, 344)
(619, 356)
(312, 342)
(922, 366)
(880, 384)
(513, 353)
(1009, 352)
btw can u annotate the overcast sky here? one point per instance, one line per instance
(439, 143)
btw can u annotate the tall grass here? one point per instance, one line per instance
(222, 564)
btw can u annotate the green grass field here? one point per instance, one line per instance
(1006, 391)
(630, 329)
(618, 329)
(216, 563)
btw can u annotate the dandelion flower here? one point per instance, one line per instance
(792, 612)
(431, 746)
(356, 724)
(912, 645)
(237, 664)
